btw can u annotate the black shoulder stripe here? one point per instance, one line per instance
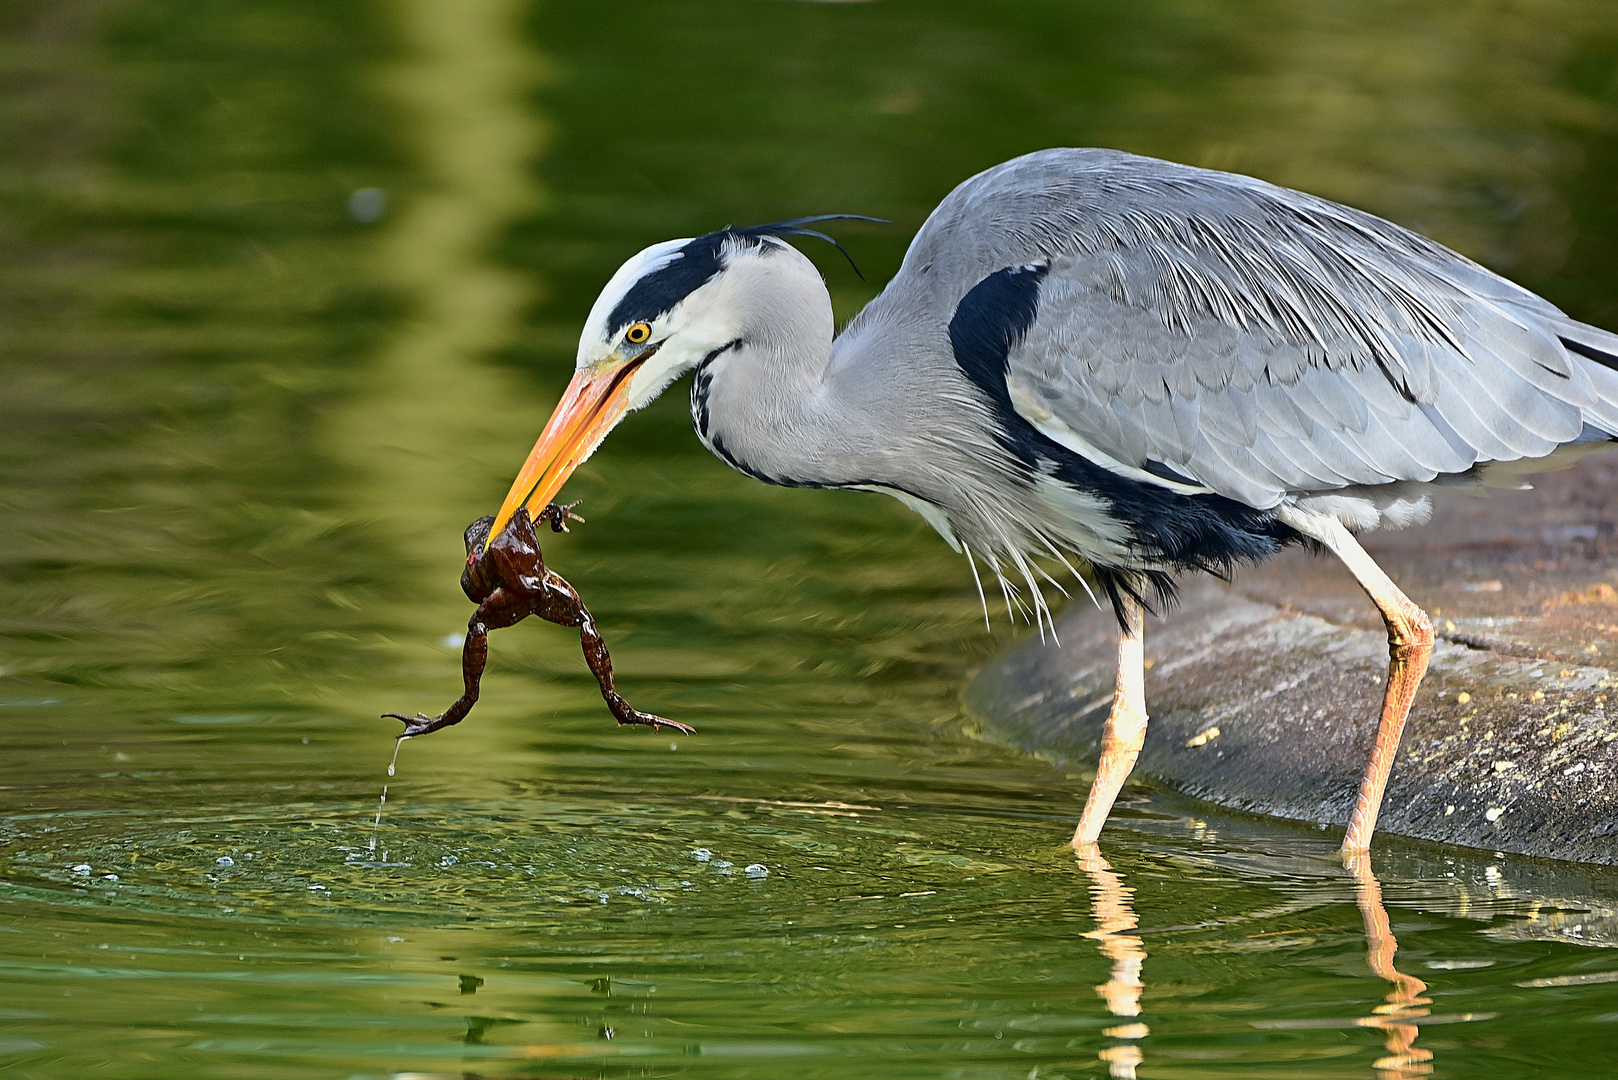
(988, 321)
(1201, 532)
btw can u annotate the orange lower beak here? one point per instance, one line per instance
(593, 403)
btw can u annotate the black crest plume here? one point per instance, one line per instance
(795, 227)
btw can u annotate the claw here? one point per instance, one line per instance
(420, 724)
(656, 722)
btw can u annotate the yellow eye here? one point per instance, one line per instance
(637, 334)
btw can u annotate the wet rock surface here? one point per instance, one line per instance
(1264, 694)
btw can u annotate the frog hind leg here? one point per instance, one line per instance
(499, 610)
(563, 607)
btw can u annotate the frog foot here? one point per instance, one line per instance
(635, 716)
(559, 515)
(420, 724)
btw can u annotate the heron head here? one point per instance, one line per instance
(666, 310)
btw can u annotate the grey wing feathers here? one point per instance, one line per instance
(1260, 341)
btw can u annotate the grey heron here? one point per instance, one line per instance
(1133, 365)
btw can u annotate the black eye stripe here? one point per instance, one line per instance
(658, 292)
(698, 260)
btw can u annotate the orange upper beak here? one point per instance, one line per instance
(593, 403)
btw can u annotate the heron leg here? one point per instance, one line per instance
(1410, 647)
(1125, 732)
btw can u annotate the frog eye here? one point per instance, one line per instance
(637, 334)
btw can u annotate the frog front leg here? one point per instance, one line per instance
(560, 604)
(500, 609)
(558, 515)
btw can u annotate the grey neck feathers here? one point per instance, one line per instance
(774, 403)
(755, 398)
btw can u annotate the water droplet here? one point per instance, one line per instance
(367, 205)
(756, 870)
(383, 801)
(225, 860)
(702, 854)
(82, 868)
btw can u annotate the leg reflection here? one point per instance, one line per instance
(1405, 1003)
(1114, 919)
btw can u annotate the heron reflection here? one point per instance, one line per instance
(1115, 918)
(1405, 1003)
(1116, 923)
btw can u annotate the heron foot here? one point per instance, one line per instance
(559, 515)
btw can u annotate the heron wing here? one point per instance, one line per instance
(1214, 332)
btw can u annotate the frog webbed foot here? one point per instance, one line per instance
(421, 724)
(627, 715)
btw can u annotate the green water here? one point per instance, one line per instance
(240, 433)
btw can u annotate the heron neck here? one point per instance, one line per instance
(780, 409)
(766, 402)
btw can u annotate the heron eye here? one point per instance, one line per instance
(637, 334)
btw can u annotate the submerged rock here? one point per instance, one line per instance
(1517, 899)
(1264, 695)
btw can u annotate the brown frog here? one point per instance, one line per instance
(508, 581)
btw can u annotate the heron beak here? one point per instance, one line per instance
(592, 405)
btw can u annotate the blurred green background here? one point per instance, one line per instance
(246, 414)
